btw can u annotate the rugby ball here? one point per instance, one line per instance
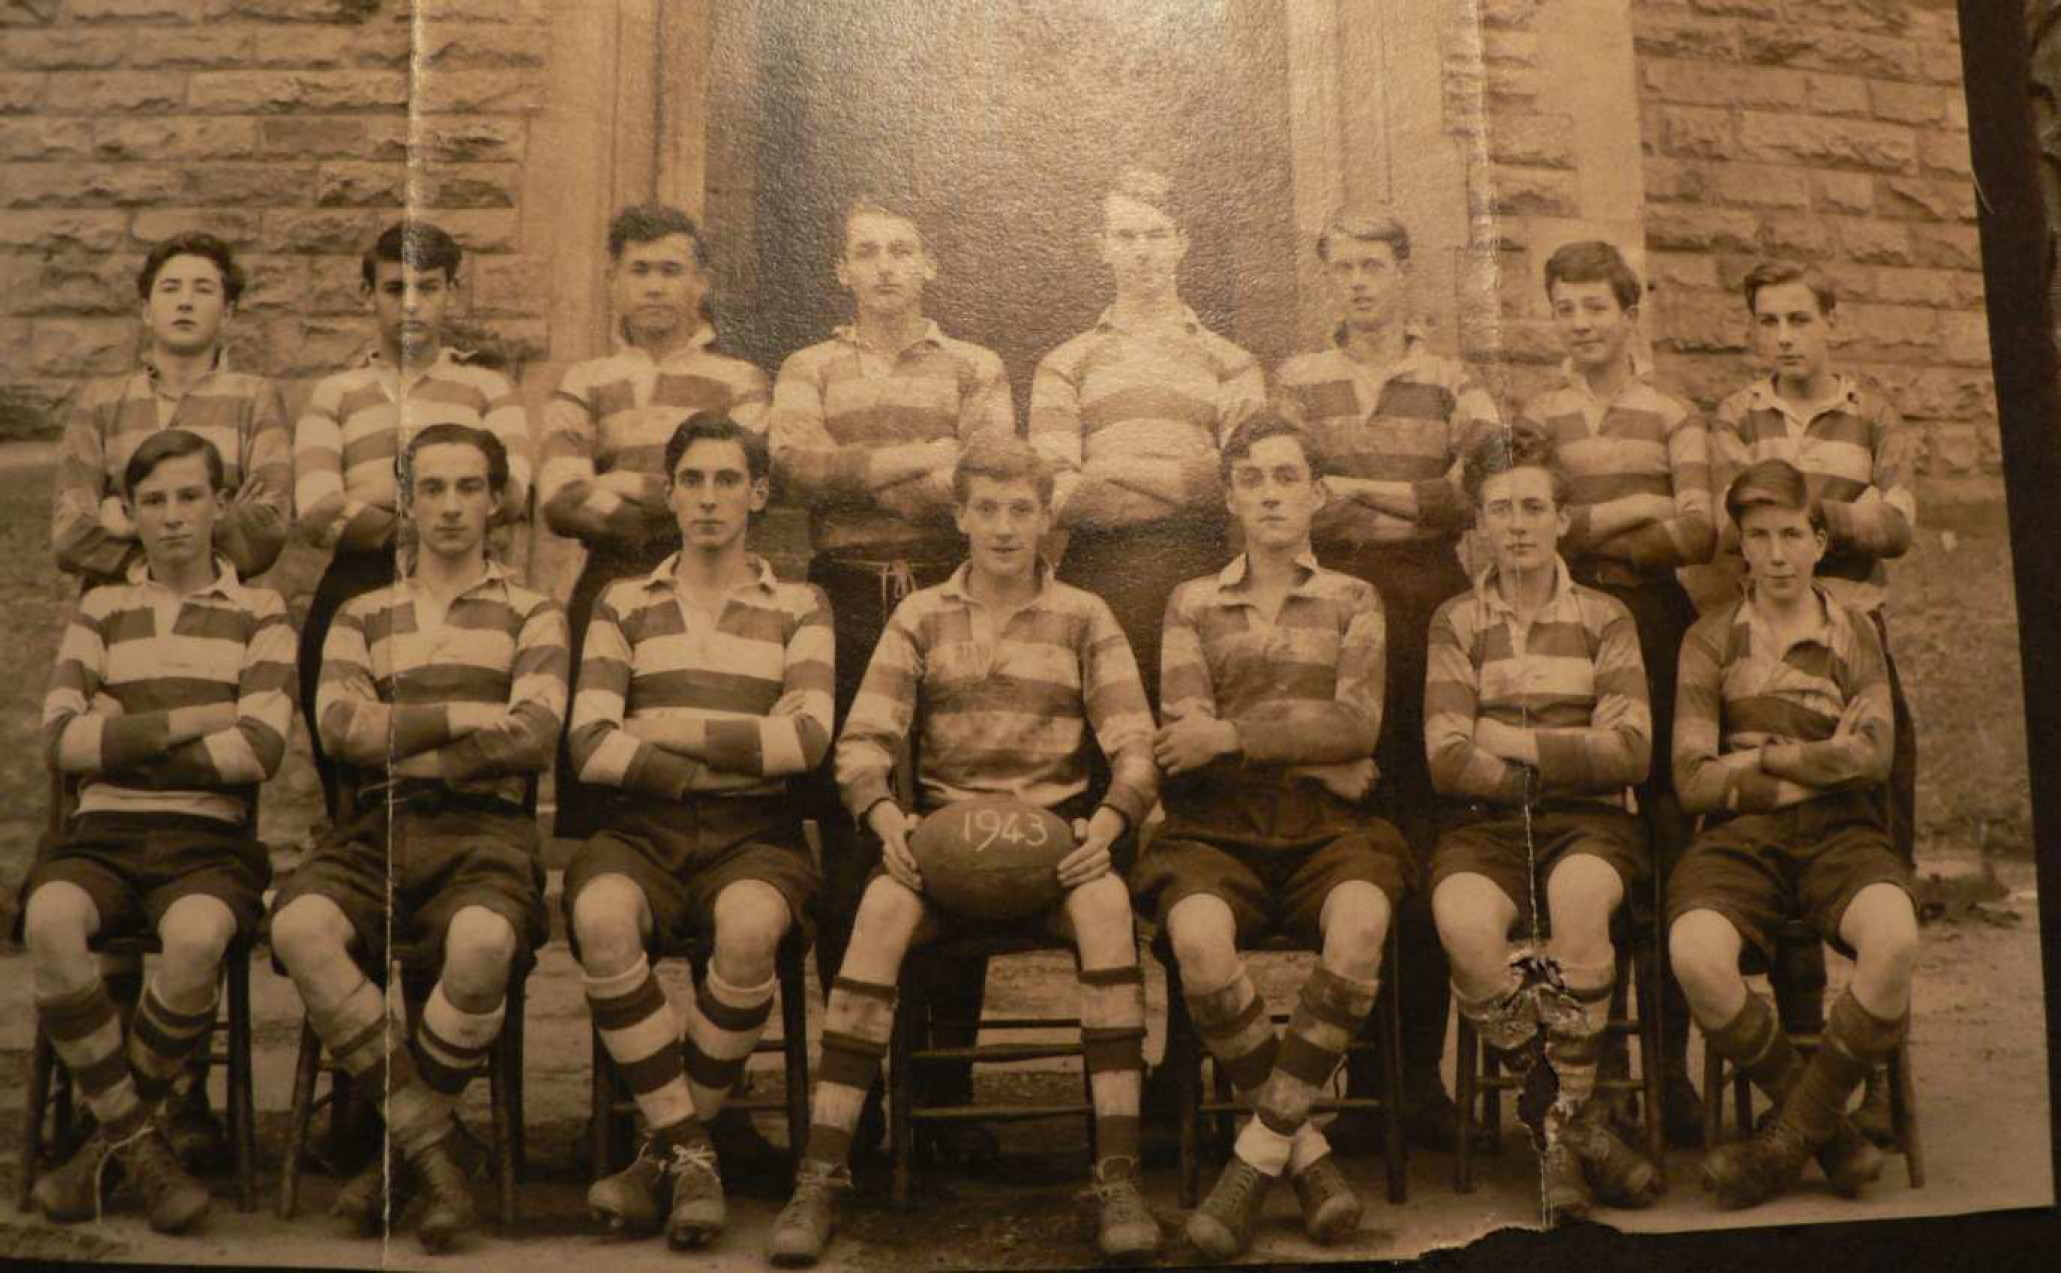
(991, 857)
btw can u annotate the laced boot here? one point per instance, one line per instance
(803, 1228)
(1563, 1184)
(1747, 1172)
(1850, 1161)
(698, 1212)
(195, 1133)
(1872, 1117)
(446, 1196)
(173, 1200)
(629, 1201)
(362, 1202)
(1619, 1174)
(1221, 1228)
(1125, 1228)
(1330, 1208)
(72, 1192)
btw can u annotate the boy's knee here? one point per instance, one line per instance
(479, 946)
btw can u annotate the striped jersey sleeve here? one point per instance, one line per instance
(1646, 442)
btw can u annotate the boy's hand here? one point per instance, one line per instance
(1092, 840)
(1192, 742)
(893, 827)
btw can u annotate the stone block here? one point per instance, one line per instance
(1697, 132)
(64, 185)
(1964, 338)
(1702, 83)
(15, 343)
(81, 230)
(1689, 229)
(28, 13)
(1955, 450)
(451, 46)
(1909, 103)
(73, 284)
(150, 12)
(176, 137)
(362, 185)
(1760, 186)
(22, 138)
(1685, 270)
(78, 348)
(1874, 242)
(1890, 332)
(116, 93)
(1539, 141)
(315, 137)
(62, 49)
(1805, 238)
(1934, 393)
(1828, 49)
(1660, 34)
(1508, 13)
(1945, 154)
(462, 139)
(201, 49)
(1843, 143)
(1497, 339)
(471, 185)
(34, 410)
(430, 12)
(240, 227)
(1935, 288)
(327, 231)
(1826, 94)
(352, 11)
(282, 92)
(336, 286)
(331, 48)
(1916, 198)
(1532, 192)
(519, 285)
(314, 346)
(248, 185)
(274, 284)
(1842, 192)
(22, 94)
(1954, 247)
(1699, 322)
(1509, 48)
(483, 230)
(1881, 17)
(479, 93)
(1678, 181)
(1939, 63)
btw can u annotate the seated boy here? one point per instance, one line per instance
(442, 695)
(1783, 739)
(1009, 670)
(1273, 684)
(169, 705)
(1535, 722)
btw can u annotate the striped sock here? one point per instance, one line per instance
(1574, 1040)
(1753, 1041)
(451, 1044)
(723, 1026)
(857, 1021)
(1232, 1021)
(85, 1029)
(362, 1040)
(1328, 1013)
(1113, 1047)
(642, 1036)
(161, 1038)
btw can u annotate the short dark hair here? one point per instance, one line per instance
(1775, 273)
(874, 206)
(649, 222)
(1773, 484)
(1502, 451)
(1594, 261)
(450, 433)
(417, 243)
(1000, 457)
(193, 243)
(1257, 429)
(713, 426)
(171, 444)
(1143, 185)
(1366, 227)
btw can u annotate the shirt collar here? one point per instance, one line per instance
(1235, 577)
(219, 363)
(957, 587)
(1830, 624)
(1846, 392)
(703, 337)
(663, 578)
(1491, 596)
(933, 336)
(225, 578)
(496, 574)
(1642, 371)
(1188, 320)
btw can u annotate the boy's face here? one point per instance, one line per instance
(450, 498)
(657, 288)
(1003, 522)
(1521, 518)
(409, 304)
(1273, 495)
(1789, 331)
(885, 264)
(1366, 280)
(1142, 246)
(1596, 331)
(713, 494)
(1782, 550)
(174, 508)
(186, 305)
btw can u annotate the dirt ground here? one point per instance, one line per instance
(1978, 1054)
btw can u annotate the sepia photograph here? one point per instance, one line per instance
(1023, 633)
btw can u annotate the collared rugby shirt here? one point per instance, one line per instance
(1004, 716)
(614, 415)
(1410, 421)
(1573, 676)
(151, 651)
(1172, 392)
(346, 442)
(1304, 689)
(838, 402)
(1859, 459)
(391, 686)
(1740, 688)
(760, 678)
(241, 414)
(1644, 441)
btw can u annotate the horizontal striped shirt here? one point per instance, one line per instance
(241, 414)
(1410, 421)
(136, 651)
(484, 691)
(346, 441)
(1170, 393)
(759, 678)
(614, 415)
(1860, 460)
(1643, 441)
(1741, 687)
(1573, 677)
(839, 402)
(1303, 688)
(1004, 712)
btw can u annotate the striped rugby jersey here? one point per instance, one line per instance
(615, 414)
(1410, 421)
(1305, 689)
(1645, 441)
(1859, 459)
(1172, 393)
(389, 686)
(1740, 688)
(837, 402)
(1574, 678)
(346, 441)
(147, 651)
(1004, 716)
(760, 679)
(241, 414)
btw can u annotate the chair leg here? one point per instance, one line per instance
(301, 1113)
(1713, 1094)
(601, 1108)
(1903, 1111)
(511, 1043)
(242, 1101)
(1390, 1039)
(794, 1050)
(1742, 1104)
(1652, 1056)
(42, 1059)
(504, 1158)
(901, 1122)
(1465, 1074)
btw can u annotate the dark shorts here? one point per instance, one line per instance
(135, 865)
(1809, 861)
(1491, 840)
(683, 855)
(433, 855)
(1272, 853)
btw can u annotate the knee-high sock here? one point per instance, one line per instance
(857, 1021)
(1328, 1013)
(1113, 1043)
(637, 1027)
(1855, 1041)
(1575, 1033)
(451, 1044)
(85, 1030)
(723, 1026)
(1505, 1018)
(364, 1043)
(161, 1039)
(1233, 1024)
(1754, 1042)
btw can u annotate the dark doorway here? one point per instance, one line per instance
(1000, 125)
